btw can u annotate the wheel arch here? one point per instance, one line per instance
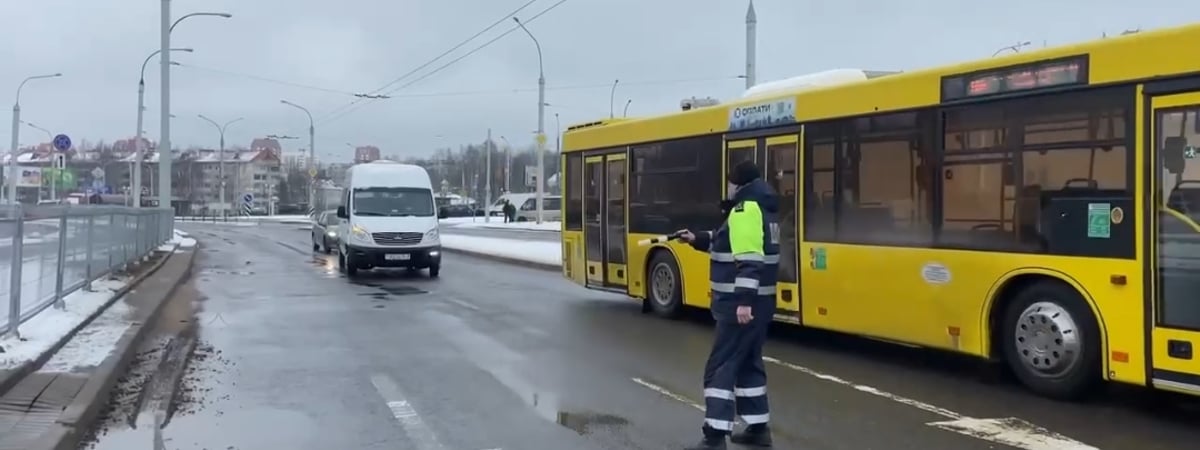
(1002, 292)
(650, 255)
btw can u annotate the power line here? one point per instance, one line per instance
(333, 117)
(604, 85)
(267, 80)
(435, 59)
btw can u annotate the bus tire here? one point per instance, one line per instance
(1051, 340)
(664, 289)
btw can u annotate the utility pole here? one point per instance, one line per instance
(487, 182)
(751, 46)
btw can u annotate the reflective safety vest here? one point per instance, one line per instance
(744, 253)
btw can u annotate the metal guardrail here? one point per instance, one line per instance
(53, 250)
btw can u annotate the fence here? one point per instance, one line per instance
(54, 250)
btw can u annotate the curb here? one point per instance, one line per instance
(76, 420)
(505, 259)
(10, 378)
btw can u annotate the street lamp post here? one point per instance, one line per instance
(312, 154)
(221, 159)
(164, 141)
(140, 150)
(627, 102)
(54, 175)
(541, 137)
(507, 165)
(16, 133)
(612, 97)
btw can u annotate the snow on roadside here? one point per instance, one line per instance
(92, 345)
(43, 330)
(542, 252)
(530, 226)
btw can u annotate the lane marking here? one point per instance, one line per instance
(1009, 431)
(417, 431)
(667, 393)
(461, 303)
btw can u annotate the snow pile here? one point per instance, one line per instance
(494, 223)
(183, 240)
(542, 252)
(44, 330)
(92, 345)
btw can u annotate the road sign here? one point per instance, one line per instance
(62, 143)
(246, 209)
(541, 139)
(60, 160)
(98, 173)
(312, 173)
(248, 198)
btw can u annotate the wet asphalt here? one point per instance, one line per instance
(493, 356)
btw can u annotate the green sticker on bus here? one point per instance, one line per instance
(1099, 220)
(818, 258)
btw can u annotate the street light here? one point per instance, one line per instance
(16, 133)
(626, 114)
(221, 158)
(139, 150)
(541, 137)
(164, 144)
(48, 133)
(612, 96)
(507, 164)
(312, 153)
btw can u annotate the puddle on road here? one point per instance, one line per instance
(504, 364)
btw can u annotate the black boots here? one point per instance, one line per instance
(713, 440)
(754, 436)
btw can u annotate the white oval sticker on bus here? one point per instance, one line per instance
(935, 273)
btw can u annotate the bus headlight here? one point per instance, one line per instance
(431, 235)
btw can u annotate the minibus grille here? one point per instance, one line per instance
(396, 238)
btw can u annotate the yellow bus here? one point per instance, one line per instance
(1033, 208)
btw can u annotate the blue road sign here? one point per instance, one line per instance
(248, 198)
(62, 143)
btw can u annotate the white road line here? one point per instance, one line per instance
(416, 430)
(668, 394)
(1008, 431)
(462, 303)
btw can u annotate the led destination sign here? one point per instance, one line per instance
(1026, 77)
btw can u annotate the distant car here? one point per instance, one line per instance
(455, 211)
(324, 231)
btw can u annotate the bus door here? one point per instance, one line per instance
(604, 231)
(1175, 256)
(776, 156)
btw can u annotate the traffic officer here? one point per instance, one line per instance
(744, 254)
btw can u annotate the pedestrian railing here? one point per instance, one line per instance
(53, 250)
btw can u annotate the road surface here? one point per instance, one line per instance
(493, 356)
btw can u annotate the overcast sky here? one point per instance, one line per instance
(661, 50)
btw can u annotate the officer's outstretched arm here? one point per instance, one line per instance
(703, 241)
(746, 243)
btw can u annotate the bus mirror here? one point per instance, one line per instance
(1172, 154)
(341, 212)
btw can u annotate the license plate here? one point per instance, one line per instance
(397, 256)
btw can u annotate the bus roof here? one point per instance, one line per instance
(1127, 58)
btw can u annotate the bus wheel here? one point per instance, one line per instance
(665, 293)
(1052, 341)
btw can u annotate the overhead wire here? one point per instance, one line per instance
(574, 87)
(343, 113)
(428, 63)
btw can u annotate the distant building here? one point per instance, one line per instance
(366, 154)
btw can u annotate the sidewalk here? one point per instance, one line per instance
(498, 223)
(54, 383)
(539, 254)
